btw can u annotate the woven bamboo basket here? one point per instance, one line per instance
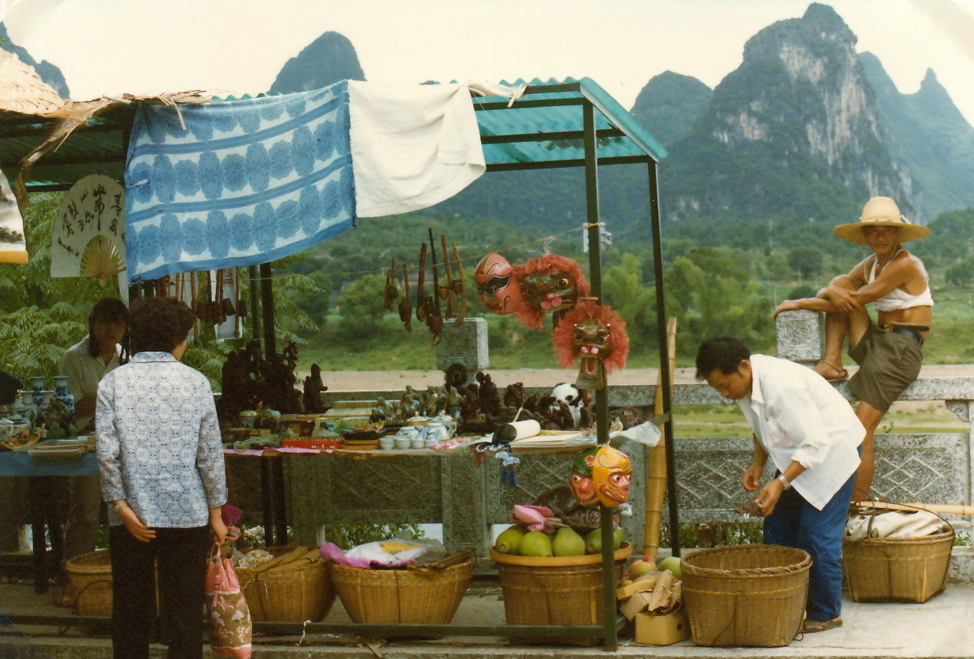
(89, 584)
(417, 595)
(295, 592)
(564, 590)
(897, 569)
(747, 595)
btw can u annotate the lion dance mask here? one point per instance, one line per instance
(549, 283)
(595, 335)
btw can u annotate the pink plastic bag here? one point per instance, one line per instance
(230, 626)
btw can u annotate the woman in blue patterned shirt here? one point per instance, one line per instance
(161, 463)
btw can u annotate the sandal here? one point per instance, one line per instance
(840, 372)
(812, 626)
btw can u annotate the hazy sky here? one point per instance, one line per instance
(141, 46)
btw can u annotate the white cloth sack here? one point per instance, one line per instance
(894, 524)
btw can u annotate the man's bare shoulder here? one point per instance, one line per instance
(906, 264)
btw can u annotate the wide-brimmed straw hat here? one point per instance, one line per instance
(880, 212)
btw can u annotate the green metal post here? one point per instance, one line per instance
(255, 312)
(601, 395)
(664, 360)
(267, 310)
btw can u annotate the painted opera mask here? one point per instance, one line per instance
(611, 473)
(581, 478)
(496, 285)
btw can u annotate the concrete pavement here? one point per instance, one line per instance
(941, 627)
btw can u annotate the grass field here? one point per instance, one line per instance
(727, 421)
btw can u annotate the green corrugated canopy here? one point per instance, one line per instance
(543, 128)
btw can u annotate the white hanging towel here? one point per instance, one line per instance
(413, 146)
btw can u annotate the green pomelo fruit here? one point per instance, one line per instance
(535, 543)
(55, 431)
(593, 542)
(673, 564)
(568, 542)
(509, 539)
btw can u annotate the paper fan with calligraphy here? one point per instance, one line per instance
(88, 238)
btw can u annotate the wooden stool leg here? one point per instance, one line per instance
(38, 523)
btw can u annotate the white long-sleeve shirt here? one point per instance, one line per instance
(158, 442)
(84, 372)
(797, 415)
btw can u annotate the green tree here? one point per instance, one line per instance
(777, 267)
(711, 292)
(42, 317)
(961, 273)
(951, 237)
(806, 261)
(624, 290)
(361, 305)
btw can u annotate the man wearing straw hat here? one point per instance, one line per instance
(812, 437)
(888, 351)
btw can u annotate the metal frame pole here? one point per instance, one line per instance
(664, 359)
(267, 309)
(255, 307)
(611, 641)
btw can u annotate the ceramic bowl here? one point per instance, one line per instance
(247, 418)
(387, 443)
(419, 442)
(403, 442)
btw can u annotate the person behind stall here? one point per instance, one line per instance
(162, 470)
(85, 363)
(888, 351)
(13, 490)
(812, 436)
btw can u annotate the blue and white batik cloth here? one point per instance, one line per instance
(237, 183)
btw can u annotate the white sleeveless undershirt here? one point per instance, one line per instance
(897, 298)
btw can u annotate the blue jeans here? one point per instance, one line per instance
(797, 523)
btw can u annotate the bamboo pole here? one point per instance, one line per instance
(656, 481)
(941, 508)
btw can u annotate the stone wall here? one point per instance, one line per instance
(466, 495)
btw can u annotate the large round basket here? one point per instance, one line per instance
(417, 595)
(897, 569)
(747, 595)
(565, 590)
(294, 592)
(89, 584)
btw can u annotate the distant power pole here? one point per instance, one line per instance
(605, 238)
